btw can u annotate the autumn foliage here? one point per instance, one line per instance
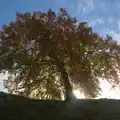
(47, 55)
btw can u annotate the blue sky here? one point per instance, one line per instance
(102, 15)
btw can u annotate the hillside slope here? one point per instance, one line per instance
(13, 107)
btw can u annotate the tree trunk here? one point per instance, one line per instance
(68, 88)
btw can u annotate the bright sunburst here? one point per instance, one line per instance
(106, 92)
(78, 94)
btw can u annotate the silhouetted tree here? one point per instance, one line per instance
(47, 55)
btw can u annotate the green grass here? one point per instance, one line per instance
(14, 107)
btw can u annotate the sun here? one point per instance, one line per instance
(106, 92)
(78, 94)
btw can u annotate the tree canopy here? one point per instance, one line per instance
(47, 55)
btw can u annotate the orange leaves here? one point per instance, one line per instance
(51, 15)
(63, 12)
(73, 44)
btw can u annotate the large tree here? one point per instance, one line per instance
(47, 55)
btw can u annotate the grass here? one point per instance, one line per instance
(13, 107)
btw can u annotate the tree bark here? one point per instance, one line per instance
(68, 88)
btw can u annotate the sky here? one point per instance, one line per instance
(102, 15)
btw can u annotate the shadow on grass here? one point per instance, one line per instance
(13, 107)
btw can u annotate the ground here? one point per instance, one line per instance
(14, 107)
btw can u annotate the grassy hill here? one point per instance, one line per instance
(13, 107)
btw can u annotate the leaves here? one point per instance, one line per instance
(29, 46)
